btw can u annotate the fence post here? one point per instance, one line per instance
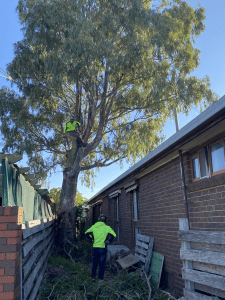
(183, 225)
(11, 219)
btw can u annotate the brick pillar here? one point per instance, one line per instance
(11, 219)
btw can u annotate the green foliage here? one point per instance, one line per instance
(118, 66)
(77, 282)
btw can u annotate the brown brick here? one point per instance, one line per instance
(9, 287)
(7, 263)
(2, 256)
(8, 219)
(13, 241)
(9, 271)
(8, 296)
(3, 241)
(1, 210)
(1, 288)
(15, 211)
(14, 226)
(2, 272)
(7, 210)
(3, 227)
(11, 256)
(7, 279)
(9, 233)
(9, 248)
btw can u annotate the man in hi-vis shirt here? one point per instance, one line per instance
(101, 234)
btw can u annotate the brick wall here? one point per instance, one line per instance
(161, 203)
(206, 206)
(11, 219)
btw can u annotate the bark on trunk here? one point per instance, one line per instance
(67, 215)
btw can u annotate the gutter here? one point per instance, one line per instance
(215, 110)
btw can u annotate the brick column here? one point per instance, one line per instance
(11, 219)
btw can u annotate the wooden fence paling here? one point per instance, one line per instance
(35, 249)
(183, 225)
(211, 283)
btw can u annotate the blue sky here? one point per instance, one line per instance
(211, 43)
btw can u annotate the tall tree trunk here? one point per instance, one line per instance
(67, 215)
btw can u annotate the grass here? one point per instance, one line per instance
(64, 280)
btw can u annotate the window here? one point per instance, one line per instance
(209, 161)
(199, 165)
(217, 158)
(136, 205)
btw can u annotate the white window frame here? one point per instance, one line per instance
(197, 155)
(136, 208)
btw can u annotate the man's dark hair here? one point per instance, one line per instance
(103, 218)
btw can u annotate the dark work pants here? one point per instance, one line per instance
(99, 257)
(79, 140)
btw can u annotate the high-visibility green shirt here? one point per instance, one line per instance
(100, 231)
(70, 126)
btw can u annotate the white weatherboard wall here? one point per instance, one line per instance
(37, 240)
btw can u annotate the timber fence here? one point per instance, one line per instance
(24, 248)
(203, 255)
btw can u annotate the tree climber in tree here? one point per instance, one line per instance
(72, 128)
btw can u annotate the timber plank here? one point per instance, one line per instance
(28, 285)
(209, 247)
(143, 238)
(143, 245)
(140, 257)
(183, 225)
(29, 263)
(215, 258)
(204, 278)
(128, 261)
(32, 227)
(210, 290)
(31, 244)
(149, 256)
(141, 251)
(209, 268)
(38, 282)
(211, 237)
(188, 294)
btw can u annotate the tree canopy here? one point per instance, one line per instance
(119, 66)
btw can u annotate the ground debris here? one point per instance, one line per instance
(113, 265)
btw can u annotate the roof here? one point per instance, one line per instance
(212, 112)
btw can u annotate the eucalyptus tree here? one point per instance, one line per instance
(119, 66)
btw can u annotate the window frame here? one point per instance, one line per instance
(138, 204)
(117, 208)
(210, 157)
(208, 170)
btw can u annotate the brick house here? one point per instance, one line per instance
(182, 178)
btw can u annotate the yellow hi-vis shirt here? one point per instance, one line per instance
(100, 231)
(70, 126)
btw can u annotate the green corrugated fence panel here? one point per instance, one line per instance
(18, 192)
(37, 207)
(28, 200)
(7, 184)
(43, 209)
